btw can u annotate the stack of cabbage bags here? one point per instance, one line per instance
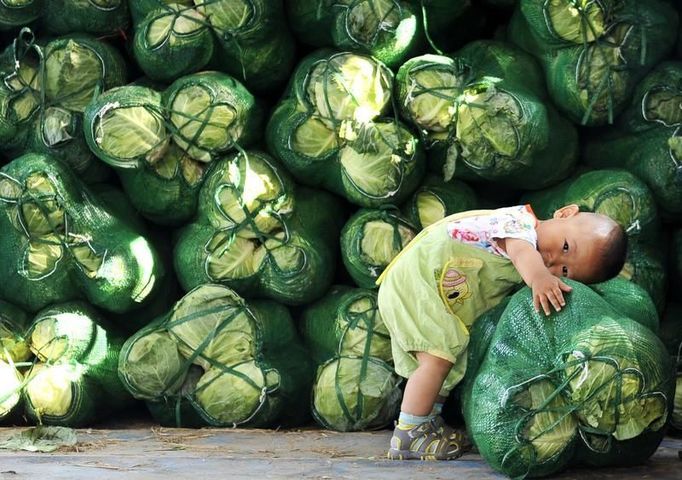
(594, 53)
(646, 138)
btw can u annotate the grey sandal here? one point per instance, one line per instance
(432, 440)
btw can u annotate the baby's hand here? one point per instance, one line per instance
(548, 289)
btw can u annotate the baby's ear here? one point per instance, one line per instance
(567, 211)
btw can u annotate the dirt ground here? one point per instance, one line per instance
(143, 451)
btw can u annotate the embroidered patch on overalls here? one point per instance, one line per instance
(453, 285)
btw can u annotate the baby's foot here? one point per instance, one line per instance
(432, 440)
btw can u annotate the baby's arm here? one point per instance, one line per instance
(547, 289)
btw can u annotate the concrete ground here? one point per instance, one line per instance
(144, 451)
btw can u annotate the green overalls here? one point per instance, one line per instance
(433, 291)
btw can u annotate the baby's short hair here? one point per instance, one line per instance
(614, 250)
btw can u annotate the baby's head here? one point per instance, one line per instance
(588, 247)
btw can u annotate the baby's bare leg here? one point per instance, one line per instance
(425, 383)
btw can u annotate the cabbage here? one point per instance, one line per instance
(11, 382)
(370, 240)
(216, 360)
(345, 401)
(332, 130)
(355, 387)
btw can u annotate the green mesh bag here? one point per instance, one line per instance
(435, 199)
(355, 387)
(61, 243)
(15, 356)
(370, 240)
(389, 30)
(74, 380)
(172, 41)
(674, 265)
(671, 335)
(594, 52)
(676, 417)
(671, 327)
(253, 42)
(332, 130)
(647, 139)
(259, 236)
(11, 383)
(45, 93)
(631, 300)
(449, 25)
(501, 3)
(626, 297)
(168, 290)
(91, 16)
(216, 360)
(483, 116)
(140, 8)
(18, 13)
(585, 385)
(625, 198)
(14, 322)
(162, 145)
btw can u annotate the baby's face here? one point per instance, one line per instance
(571, 247)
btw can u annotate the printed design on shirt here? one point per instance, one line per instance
(483, 231)
(453, 287)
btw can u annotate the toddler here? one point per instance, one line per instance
(454, 271)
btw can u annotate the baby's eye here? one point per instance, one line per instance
(565, 247)
(564, 271)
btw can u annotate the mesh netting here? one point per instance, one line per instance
(216, 360)
(370, 240)
(674, 264)
(14, 360)
(355, 387)
(594, 52)
(91, 16)
(66, 16)
(60, 243)
(625, 198)
(448, 24)
(73, 381)
(245, 38)
(584, 385)
(162, 144)
(173, 41)
(17, 13)
(482, 115)
(168, 290)
(436, 199)
(647, 140)
(671, 335)
(44, 93)
(258, 235)
(331, 130)
(389, 30)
